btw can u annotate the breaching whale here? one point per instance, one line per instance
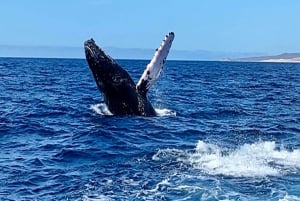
(121, 95)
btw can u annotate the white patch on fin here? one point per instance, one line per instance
(155, 66)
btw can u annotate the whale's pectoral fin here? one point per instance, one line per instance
(156, 65)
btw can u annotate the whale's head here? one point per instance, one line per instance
(101, 64)
(96, 57)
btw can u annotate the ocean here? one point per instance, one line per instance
(225, 131)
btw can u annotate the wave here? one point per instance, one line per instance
(103, 110)
(96, 198)
(249, 160)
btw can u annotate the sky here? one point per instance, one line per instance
(267, 26)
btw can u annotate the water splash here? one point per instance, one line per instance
(249, 160)
(103, 110)
(165, 112)
(290, 198)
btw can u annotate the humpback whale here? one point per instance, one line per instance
(121, 95)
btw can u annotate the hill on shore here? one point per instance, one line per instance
(285, 57)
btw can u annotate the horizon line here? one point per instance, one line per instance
(83, 58)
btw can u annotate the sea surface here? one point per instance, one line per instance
(224, 131)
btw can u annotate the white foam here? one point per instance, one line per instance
(250, 160)
(101, 109)
(165, 112)
(290, 198)
(163, 154)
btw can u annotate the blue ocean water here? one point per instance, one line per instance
(225, 131)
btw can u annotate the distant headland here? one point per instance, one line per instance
(285, 57)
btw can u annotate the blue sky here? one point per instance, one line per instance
(268, 26)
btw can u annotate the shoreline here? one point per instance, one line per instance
(295, 60)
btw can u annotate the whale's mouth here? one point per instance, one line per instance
(92, 51)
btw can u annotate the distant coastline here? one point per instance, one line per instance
(285, 57)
